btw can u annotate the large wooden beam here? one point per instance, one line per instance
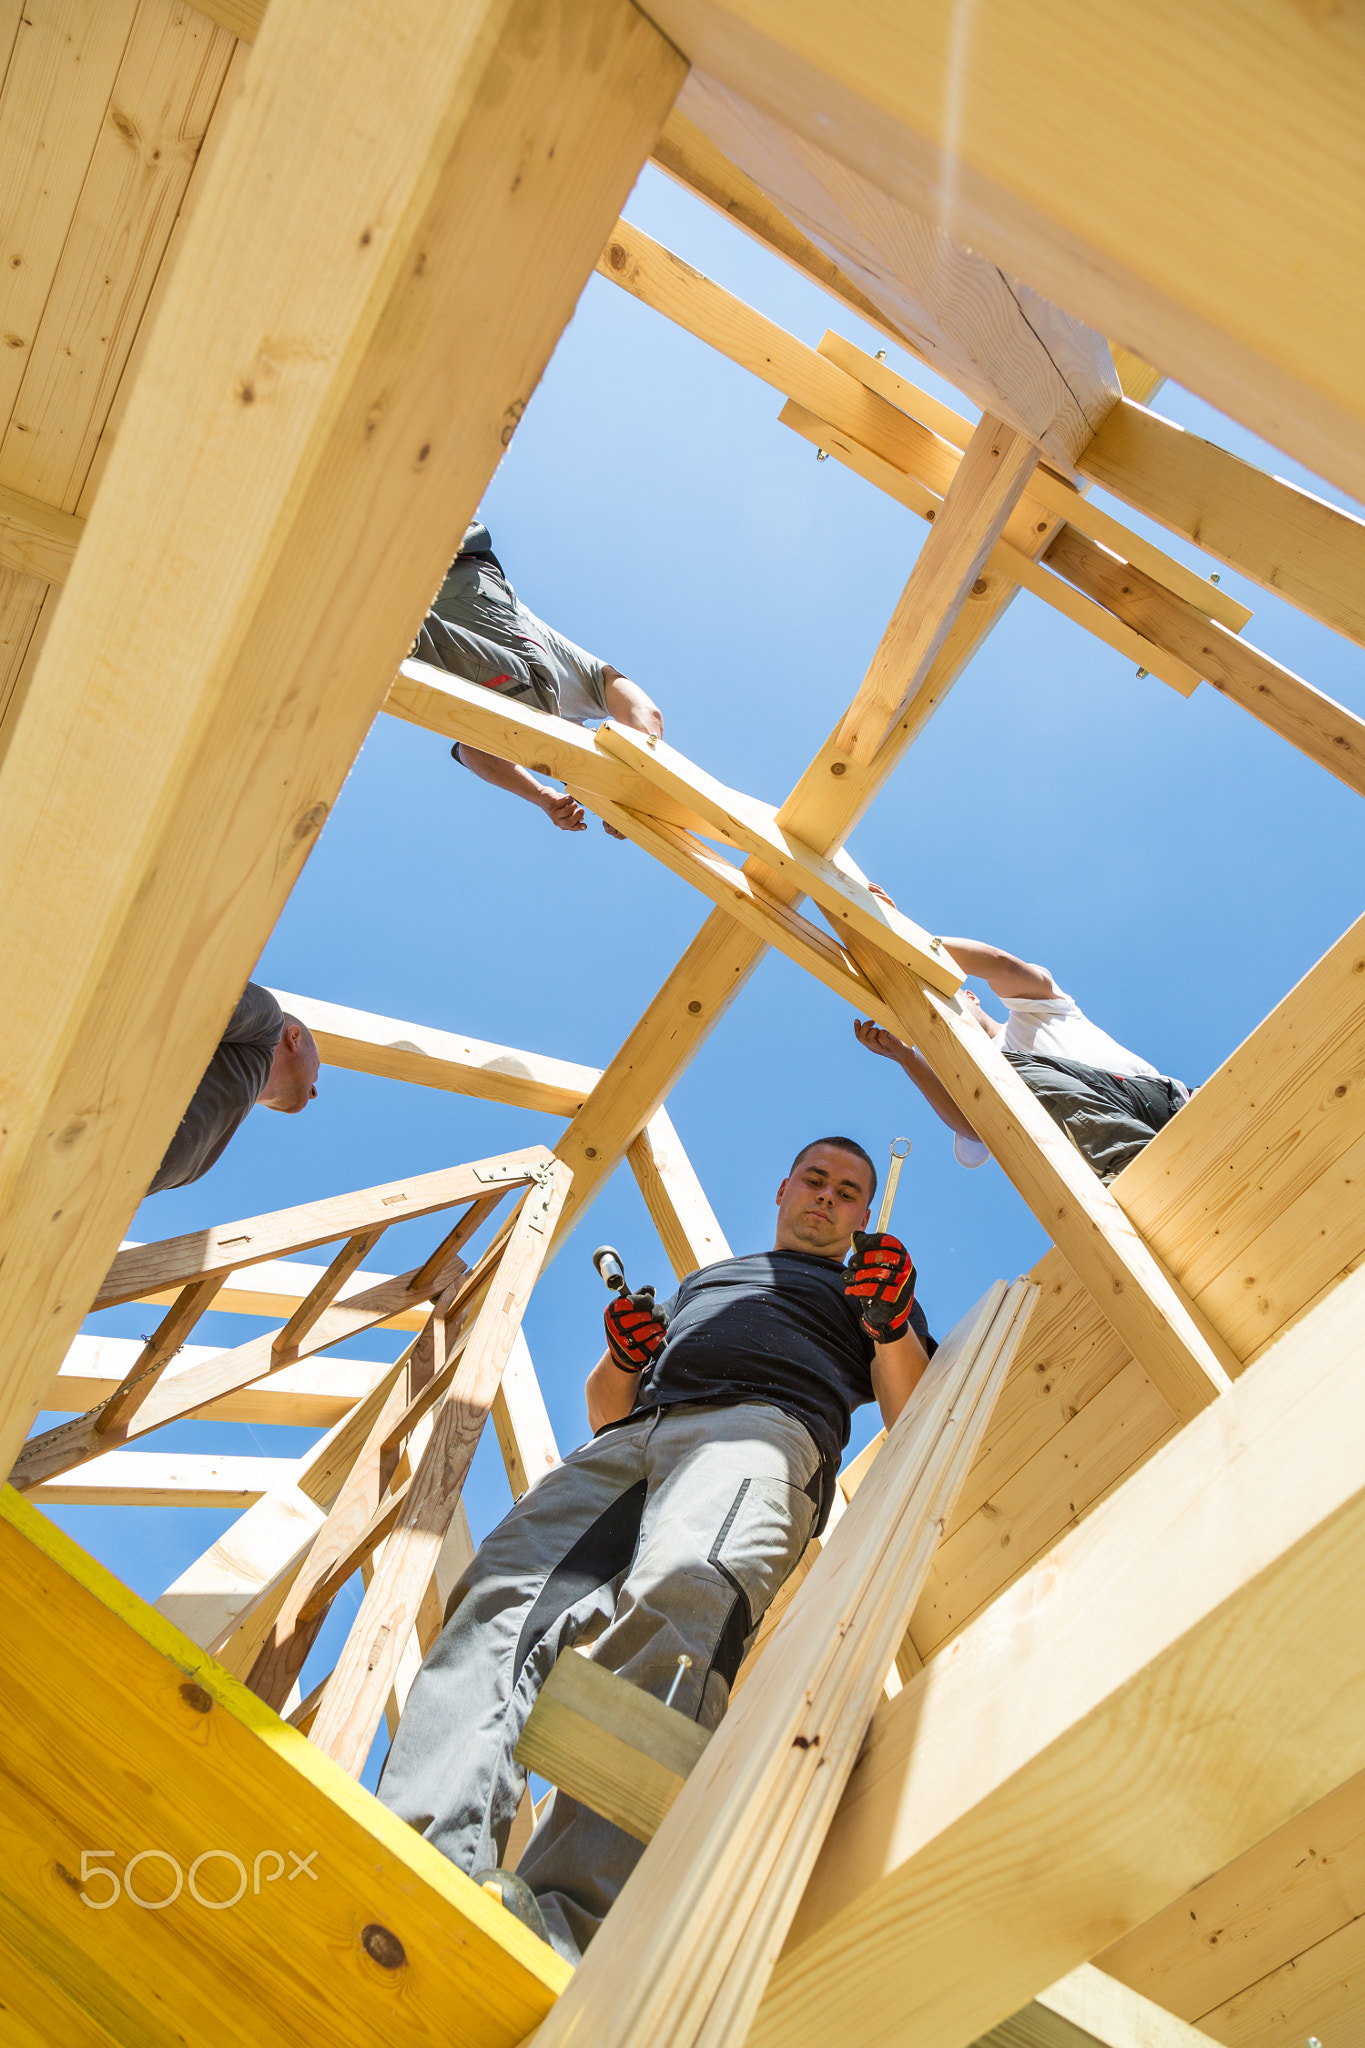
(314, 419)
(37, 539)
(1214, 264)
(366, 1044)
(1176, 1679)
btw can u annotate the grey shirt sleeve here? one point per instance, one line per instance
(235, 1077)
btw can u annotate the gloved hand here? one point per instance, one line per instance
(635, 1329)
(881, 1284)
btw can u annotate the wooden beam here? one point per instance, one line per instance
(992, 478)
(1017, 355)
(1267, 1916)
(1326, 731)
(202, 1254)
(366, 1044)
(365, 1670)
(691, 1940)
(525, 1435)
(675, 1198)
(95, 1675)
(604, 1741)
(172, 1479)
(1089, 2010)
(316, 1393)
(697, 164)
(1174, 1343)
(272, 504)
(37, 539)
(1178, 1677)
(1272, 531)
(277, 1286)
(1186, 263)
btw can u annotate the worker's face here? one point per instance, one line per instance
(292, 1082)
(822, 1202)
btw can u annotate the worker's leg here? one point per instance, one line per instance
(732, 1501)
(1106, 1121)
(547, 1570)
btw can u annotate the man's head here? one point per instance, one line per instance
(291, 1083)
(825, 1198)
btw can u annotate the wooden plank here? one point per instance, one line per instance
(1322, 1988)
(675, 1198)
(241, 18)
(325, 1290)
(364, 1672)
(692, 1938)
(199, 1254)
(1279, 535)
(100, 1684)
(1185, 263)
(1176, 1345)
(1019, 357)
(316, 1393)
(173, 1479)
(1005, 558)
(172, 70)
(1326, 731)
(841, 894)
(525, 1436)
(1282, 1898)
(1089, 2010)
(1045, 488)
(36, 539)
(604, 1741)
(366, 1044)
(155, 808)
(156, 1354)
(277, 1286)
(53, 108)
(994, 472)
(1177, 1678)
(1139, 379)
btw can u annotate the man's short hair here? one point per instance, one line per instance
(844, 1145)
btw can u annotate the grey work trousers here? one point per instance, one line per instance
(675, 1530)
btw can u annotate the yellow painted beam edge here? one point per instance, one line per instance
(394, 1835)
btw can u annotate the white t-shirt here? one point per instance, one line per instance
(1056, 1028)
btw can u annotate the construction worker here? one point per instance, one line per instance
(478, 629)
(265, 1056)
(1109, 1101)
(720, 1418)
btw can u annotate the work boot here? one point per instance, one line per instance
(514, 1893)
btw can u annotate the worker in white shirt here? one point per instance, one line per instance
(1109, 1101)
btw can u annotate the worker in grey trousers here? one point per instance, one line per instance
(720, 1419)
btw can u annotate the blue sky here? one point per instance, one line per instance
(1173, 863)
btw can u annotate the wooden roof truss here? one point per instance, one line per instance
(1058, 1738)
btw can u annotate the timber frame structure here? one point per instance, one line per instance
(1060, 1739)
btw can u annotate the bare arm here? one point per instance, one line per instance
(559, 807)
(897, 1370)
(879, 1040)
(610, 1392)
(630, 705)
(1005, 973)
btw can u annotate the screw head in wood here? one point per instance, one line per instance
(383, 1946)
(694, 1009)
(838, 767)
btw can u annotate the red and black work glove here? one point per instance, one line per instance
(635, 1329)
(880, 1282)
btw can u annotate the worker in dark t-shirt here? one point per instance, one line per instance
(720, 1418)
(264, 1056)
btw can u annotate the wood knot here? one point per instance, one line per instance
(382, 1946)
(196, 1698)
